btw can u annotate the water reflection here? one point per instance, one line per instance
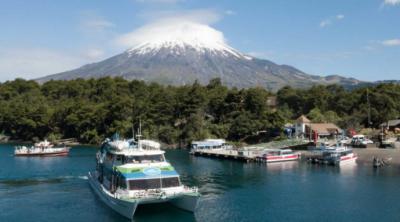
(282, 166)
(30, 182)
(348, 169)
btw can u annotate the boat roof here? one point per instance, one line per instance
(358, 135)
(131, 147)
(136, 152)
(134, 171)
(209, 142)
(338, 150)
(278, 150)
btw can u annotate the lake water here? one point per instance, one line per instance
(56, 189)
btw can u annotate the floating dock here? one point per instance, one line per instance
(246, 154)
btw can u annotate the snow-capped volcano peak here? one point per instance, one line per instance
(180, 53)
(181, 35)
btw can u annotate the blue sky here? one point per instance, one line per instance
(353, 38)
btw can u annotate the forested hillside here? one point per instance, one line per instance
(93, 109)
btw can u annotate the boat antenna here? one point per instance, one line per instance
(140, 126)
(369, 109)
(133, 132)
(139, 135)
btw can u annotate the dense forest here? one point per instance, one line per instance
(90, 110)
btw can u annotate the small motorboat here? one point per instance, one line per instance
(333, 155)
(339, 156)
(381, 162)
(42, 149)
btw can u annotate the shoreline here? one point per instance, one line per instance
(366, 155)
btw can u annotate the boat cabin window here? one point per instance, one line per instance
(273, 153)
(156, 183)
(145, 159)
(119, 159)
(121, 182)
(109, 158)
(170, 182)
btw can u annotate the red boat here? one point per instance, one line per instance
(278, 155)
(42, 149)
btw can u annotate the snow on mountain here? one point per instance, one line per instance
(199, 37)
(183, 52)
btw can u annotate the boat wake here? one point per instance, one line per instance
(39, 180)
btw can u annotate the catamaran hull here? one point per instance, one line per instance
(127, 208)
(186, 202)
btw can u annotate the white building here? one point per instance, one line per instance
(300, 126)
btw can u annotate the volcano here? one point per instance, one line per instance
(183, 53)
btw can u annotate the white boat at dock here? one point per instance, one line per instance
(42, 149)
(338, 154)
(278, 155)
(130, 173)
(210, 144)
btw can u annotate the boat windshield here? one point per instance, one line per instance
(157, 183)
(272, 153)
(144, 159)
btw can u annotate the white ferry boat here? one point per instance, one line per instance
(278, 155)
(43, 149)
(339, 156)
(130, 173)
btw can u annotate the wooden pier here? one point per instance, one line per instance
(246, 154)
(232, 154)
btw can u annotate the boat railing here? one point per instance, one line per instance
(191, 189)
(157, 193)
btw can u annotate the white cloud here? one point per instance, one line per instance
(34, 63)
(171, 30)
(340, 17)
(329, 21)
(230, 12)
(183, 24)
(391, 2)
(369, 48)
(97, 24)
(325, 23)
(94, 54)
(92, 22)
(391, 42)
(203, 16)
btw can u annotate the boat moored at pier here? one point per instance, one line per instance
(339, 156)
(278, 155)
(333, 155)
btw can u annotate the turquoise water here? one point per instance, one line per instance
(56, 189)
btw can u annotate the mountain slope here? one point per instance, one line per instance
(196, 52)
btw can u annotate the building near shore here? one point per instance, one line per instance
(306, 129)
(300, 126)
(392, 125)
